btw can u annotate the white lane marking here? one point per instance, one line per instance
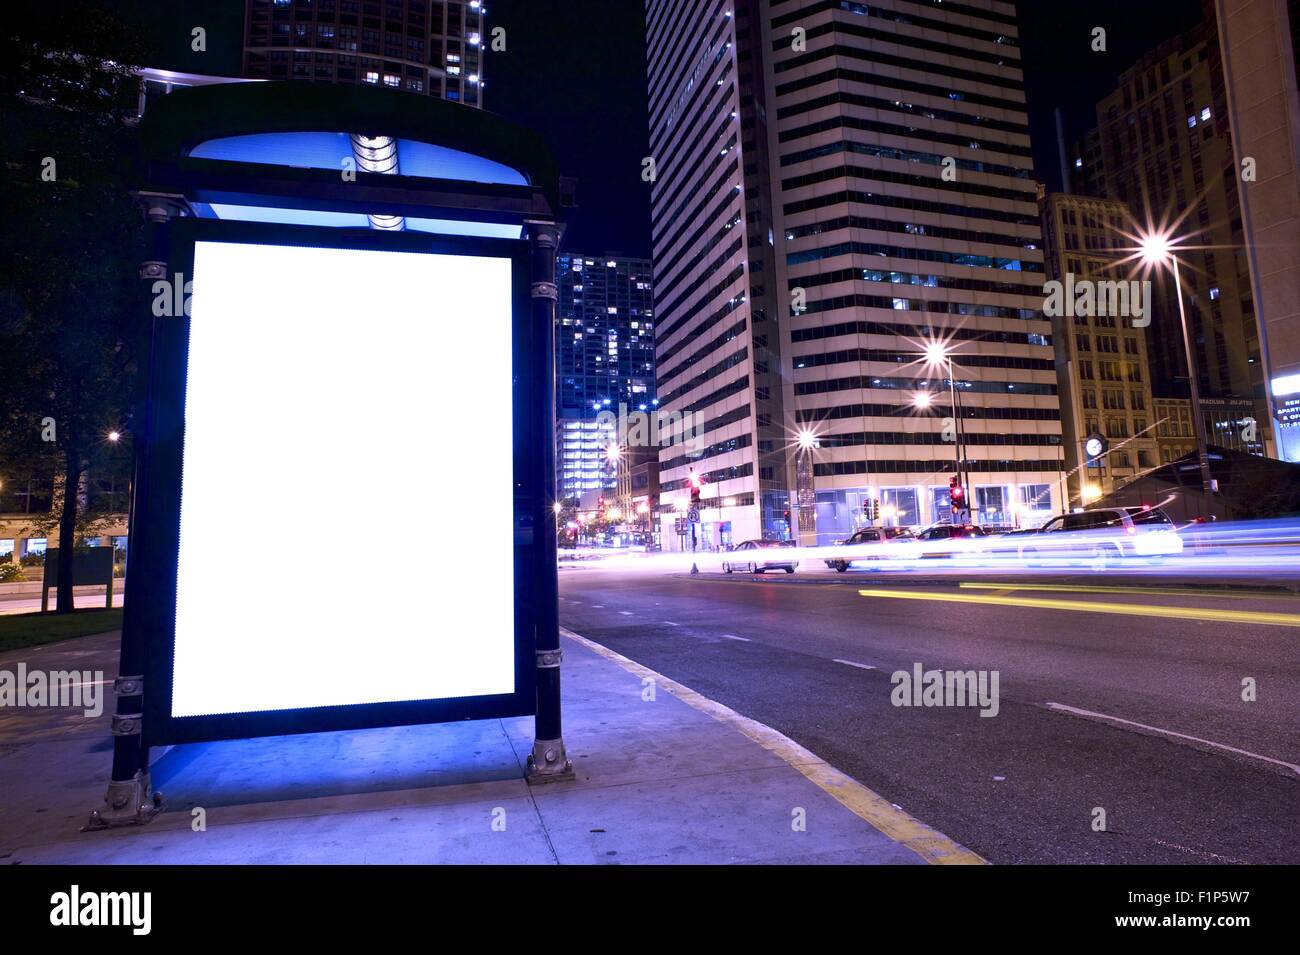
(1061, 707)
(598, 606)
(850, 663)
(732, 636)
(671, 624)
(626, 613)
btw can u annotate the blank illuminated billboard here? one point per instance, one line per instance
(339, 405)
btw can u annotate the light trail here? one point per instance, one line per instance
(1259, 550)
(1213, 614)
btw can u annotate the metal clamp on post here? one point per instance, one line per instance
(127, 724)
(546, 290)
(129, 686)
(549, 659)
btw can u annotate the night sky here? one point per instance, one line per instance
(574, 70)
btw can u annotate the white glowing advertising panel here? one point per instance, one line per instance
(339, 405)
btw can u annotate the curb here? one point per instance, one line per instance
(932, 846)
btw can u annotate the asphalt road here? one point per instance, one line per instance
(1112, 697)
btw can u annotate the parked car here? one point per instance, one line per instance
(1105, 534)
(754, 557)
(868, 536)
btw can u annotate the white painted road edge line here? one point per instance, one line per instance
(850, 663)
(626, 613)
(1061, 707)
(732, 636)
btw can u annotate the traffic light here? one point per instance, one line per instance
(696, 483)
(870, 508)
(956, 493)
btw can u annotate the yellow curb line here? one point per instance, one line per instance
(1085, 606)
(932, 846)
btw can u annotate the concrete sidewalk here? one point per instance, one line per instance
(663, 776)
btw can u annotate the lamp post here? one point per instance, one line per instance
(938, 356)
(805, 485)
(1157, 248)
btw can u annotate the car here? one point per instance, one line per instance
(868, 536)
(959, 538)
(1106, 534)
(753, 562)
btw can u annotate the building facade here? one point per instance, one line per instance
(605, 364)
(841, 187)
(422, 46)
(1174, 434)
(1101, 358)
(1260, 54)
(1164, 147)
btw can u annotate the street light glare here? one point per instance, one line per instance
(922, 399)
(612, 453)
(936, 353)
(1156, 248)
(807, 440)
(114, 436)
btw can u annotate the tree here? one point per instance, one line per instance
(71, 332)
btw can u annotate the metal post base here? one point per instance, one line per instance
(549, 763)
(130, 802)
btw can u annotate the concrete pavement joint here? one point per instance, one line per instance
(932, 846)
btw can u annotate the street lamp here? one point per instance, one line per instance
(937, 355)
(1157, 248)
(114, 436)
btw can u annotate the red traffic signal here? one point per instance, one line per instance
(956, 494)
(696, 483)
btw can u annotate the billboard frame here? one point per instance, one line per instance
(152, 578)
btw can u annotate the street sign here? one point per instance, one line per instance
(693, 515)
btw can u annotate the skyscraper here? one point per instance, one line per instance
(841, 188)
(604, 356)
(423, 46)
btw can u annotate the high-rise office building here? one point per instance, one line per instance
(1163, 146)
(1101, 358)
(1259, 45)
(840, 187)
(421, 46)
(605, 363)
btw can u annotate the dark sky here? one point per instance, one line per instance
(574, 70)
